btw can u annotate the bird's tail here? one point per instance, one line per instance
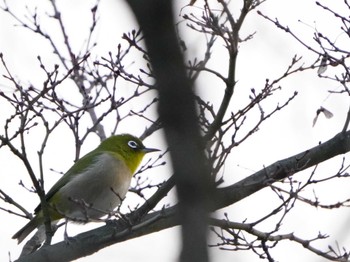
(27, 229)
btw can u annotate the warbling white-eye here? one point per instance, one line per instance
(94, 186)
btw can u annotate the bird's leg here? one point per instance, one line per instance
(67, 239)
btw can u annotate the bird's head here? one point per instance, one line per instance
(129, 147)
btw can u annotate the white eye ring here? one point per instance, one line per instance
(132, 144)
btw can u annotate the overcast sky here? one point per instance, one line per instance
(266, 56)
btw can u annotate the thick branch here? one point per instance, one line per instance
(92, 241)
(340, 144)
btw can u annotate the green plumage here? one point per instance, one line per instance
(94, 185)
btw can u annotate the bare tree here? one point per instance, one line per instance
(202, 135)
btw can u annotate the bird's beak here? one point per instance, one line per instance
(149, 150)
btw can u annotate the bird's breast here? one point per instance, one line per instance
(97, 190)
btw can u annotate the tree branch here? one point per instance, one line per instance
(92, 241)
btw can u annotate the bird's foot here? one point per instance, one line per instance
(68, 240)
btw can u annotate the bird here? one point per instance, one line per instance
(94, 186)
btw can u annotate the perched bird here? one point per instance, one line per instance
(94, 185)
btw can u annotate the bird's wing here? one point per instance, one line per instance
(79, 167)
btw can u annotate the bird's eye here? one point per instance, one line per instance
(132, 144)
